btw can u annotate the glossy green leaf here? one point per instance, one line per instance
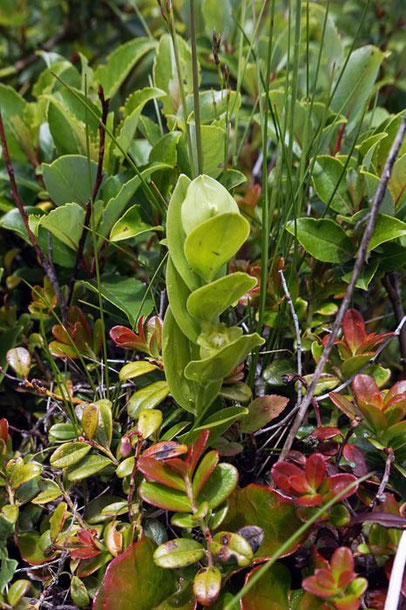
(49, 492)
(357, 82)
(148, 397)
(178, 553)
(386, 229)
(130, 225)
(228, 547)
(161, 496)
(133, 575)
(330, 183)
(89, 466)
(69, 454)
(221, 483)
(125, 293)
(214, 242)
(322, 238)
(209, 301)
(178, 294)
(17, 591)
(176, 235)
(78, 592)
(90, 420)
(66, 223)
(132, 370)
(204, 470)
(57, 520)
(67, 179)
(120, 63)
(22, 473)
(224, 361)
(149, 422)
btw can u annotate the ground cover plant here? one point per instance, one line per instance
(203, 335)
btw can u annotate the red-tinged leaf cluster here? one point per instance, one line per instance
(310, 485)
(88, 545)
(381, 411)
(356, 341)
(77, 337)
(147, 339)
(44, 299)
(336, 581)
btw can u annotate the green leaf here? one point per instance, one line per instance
(263, 410)
(117, 204)
(49, 492)
(397, 181)
(69, 454)
(218, 422)
(130, 225)
(356, 85)
(327, 173)
(67, 179)
(365, 277)
(16, 592)
(132, 112)
(221, 483)
(149, 422)
(178, 294)
(125, 293)
(323, 238)
(19, 359)
(207, 585)
(214, 242)
(57, 520)
(104, 430)
(386, 229)
(66, 223)
(136, 369)
(163, 497)
(22, 473)
(133, 575)
(166, 75)
(221, 364)
(13, 108)
(148, 397)
(213, 143)
(271, 590)
(229, 546)
(165, 150)
(272, 512)
(78, 592)
(179, 553)
(211, 300)
(120, 63)
(89, 466)
(218, 16)
(176, 235)
(68, 134)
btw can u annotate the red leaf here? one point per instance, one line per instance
(315, 470)
(3, 429)
(354, 329)
(341, 562)
(196, 449)
(366, 391)
(165, 450)
(352, 454)
(311, 585)
(310, 500)
(398, 389)
(85, 552)
(282, 472)
(325, 432)
(126, 338)
(160, 472)
(338, 482)
(299, 484)
(343, 404)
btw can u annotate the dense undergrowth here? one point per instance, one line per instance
(203, 348)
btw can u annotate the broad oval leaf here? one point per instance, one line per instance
(208, 302)
(69, 454)
(262, 410)
(89, 466)
(207, 585)
(323, 238)
(179, 553)
(214, 242)
(147, 398)
(136, 369)
(221, 483)
(168, 499)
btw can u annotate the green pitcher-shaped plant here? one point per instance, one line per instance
(204, 230)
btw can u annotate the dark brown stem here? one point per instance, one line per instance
(99, 177)
(362, 252)
(392, 286)
(47, 267)
(131, 490)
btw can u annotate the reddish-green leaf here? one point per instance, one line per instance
(179, 553)
(133, 578)
(354, 329)
(204, 470)
(160, 472)
(207, 585)
(165, 450)
(263, 410)
(168, 499)
(367, 392)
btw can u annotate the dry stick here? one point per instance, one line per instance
(362, 252)
(47, 267)
(99, 177)
(298, 337)
(391, 284)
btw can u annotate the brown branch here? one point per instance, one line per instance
(47, 267)
(99, 177)
(392, 286)
(362, 253)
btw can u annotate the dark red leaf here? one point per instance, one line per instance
(315, 470)
(352, 454)
(160, 472)
(354, 329)
(195, 450)
(366, 391)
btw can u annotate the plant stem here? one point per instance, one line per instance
(196, 101)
